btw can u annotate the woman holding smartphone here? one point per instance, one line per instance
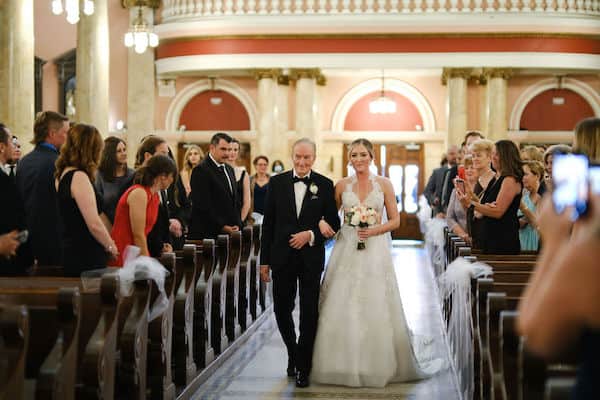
(456, 216)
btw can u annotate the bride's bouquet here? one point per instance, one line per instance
(361, 217)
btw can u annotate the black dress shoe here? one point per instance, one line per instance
(291, 369)
(302, 380)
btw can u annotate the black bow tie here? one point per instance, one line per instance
(305, 180)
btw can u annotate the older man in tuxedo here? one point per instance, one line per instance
(215, 206)
(292, 246)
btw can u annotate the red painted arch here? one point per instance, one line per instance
(406, 117)
(540, 114)
(199, 114)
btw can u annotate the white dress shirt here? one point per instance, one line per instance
(224, 171)
(300, 189)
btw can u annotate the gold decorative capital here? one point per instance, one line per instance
(304, 73)
(504, 73)
(465, 73)
(283, 80)
(271, 73)
(140, 3)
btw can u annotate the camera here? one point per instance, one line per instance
(570, 179)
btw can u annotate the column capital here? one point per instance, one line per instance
(504, 73)
(308, 73)
(448, 73)
(140, 3)
(270, 73)
(283, 80)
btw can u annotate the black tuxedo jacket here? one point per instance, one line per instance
(12, 218)
(280, 220)
(213, 204)
(35, 183)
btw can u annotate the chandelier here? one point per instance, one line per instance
(382, 104)
(72, 9)
(140, 34)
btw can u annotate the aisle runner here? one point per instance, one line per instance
(257, 371)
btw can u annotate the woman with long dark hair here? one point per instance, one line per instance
(114, 176)
(137, 209)
(86, 241)
(500, 202)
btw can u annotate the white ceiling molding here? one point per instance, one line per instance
(187, 93)
(201, 64)
(579, 87)
(374, 85)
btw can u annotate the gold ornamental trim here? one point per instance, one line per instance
(504, 73)
(140, 3)
(267, 73)
(447, 73)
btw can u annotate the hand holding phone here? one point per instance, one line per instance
(460, 185)
(570, 176)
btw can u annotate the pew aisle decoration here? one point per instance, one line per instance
(433, 232)
(455, 287)
(136, 268)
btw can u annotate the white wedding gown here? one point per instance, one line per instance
(362, 336)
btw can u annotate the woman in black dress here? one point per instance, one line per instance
(86, 241)
(481, 153)
(259, 184)
(500, 202)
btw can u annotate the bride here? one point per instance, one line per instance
(362, 337)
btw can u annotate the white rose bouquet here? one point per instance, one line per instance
(360, 217)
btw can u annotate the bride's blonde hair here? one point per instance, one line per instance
(368, 145)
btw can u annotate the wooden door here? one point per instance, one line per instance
(403, 164)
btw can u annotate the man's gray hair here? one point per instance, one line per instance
(305, 140)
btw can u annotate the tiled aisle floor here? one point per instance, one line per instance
(257, 370)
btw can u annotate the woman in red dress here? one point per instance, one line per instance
(137, 209)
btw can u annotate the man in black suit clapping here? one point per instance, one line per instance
(215, 206)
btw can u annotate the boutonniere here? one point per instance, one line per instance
(314, 189)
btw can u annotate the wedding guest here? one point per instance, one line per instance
(433, 189)
(587, 139)
(277, 167)
(192, 158)
(548, 157)
(456, 216)
(137, 209)
(533, 172)
(215, 207)
(500, 202)
(113, 177)
(481, 154)
(241, 178)
(35, 183)
(86, 241)
(16, 156)
(259, 183)
(532, 153)
(12, 220)
(560, 308)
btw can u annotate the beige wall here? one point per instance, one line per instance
(54, 36)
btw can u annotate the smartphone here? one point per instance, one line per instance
(22, 236)
(594, 175)
(460, 184)
(461, 172)
(570, 179)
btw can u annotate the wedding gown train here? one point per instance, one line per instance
(362, 337)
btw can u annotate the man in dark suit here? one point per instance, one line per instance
(292, 246)
(215, 206)
(35, 184)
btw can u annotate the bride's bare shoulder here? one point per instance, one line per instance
(341, 184)
(384, 182)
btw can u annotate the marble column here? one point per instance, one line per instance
(456, 79)
(267, 111)
(308, 106)
(91, 95)
(496, 95)
(281, 146)
(17, 92)
(140, 92)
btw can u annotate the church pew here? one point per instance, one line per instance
(160, 338)
(51, 362)
(204, 353)
(184, 367)
(97, 339)
(254, 288)
(244, 316)
(559, 388)
(219, 339)
(14, 338)
(232, 275)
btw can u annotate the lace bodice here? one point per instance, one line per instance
(374, 199)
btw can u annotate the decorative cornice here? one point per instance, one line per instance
(504, 73)
(270, 73)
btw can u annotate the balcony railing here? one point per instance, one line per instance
(177, 10)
